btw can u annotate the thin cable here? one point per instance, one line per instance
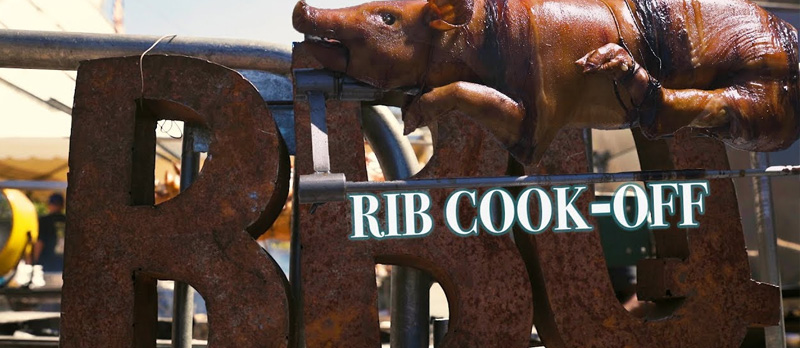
(141, 58)
(141, 75)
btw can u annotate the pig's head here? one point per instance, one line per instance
(385, 43)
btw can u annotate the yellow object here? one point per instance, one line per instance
(23, 232)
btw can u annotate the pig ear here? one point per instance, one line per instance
(450, 14)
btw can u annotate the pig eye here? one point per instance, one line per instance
(388, 18)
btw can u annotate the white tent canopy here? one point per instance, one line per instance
(35, 105)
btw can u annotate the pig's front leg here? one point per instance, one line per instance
(660, 111)
(615, 61)
(494, 111)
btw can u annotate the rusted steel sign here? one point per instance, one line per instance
(119, 243)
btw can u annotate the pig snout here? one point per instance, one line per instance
(304, 17)
(323, 42)
(312, 21)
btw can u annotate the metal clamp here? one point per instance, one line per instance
(321, 187)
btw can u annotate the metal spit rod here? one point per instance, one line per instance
(325, 189)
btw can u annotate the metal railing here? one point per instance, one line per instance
(64, 51)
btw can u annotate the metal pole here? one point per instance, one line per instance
(410, 297)
(768, 263)
(439, 330)
(410, 308)
(589, 148)
(64, 51)
(183, 294)
(394, 152)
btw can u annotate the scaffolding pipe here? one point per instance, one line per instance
(64, 51)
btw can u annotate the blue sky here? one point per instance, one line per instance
(267, 20)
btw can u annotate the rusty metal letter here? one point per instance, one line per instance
(483, 276)
(119, 243)
(700, 282)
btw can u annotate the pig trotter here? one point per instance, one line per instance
(494, 111)
(615, 61)
(645, 93)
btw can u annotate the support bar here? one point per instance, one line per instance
(320, 151)
(309, 196)
(439, 330)
(63, 51)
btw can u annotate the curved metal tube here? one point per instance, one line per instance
(409, 295)
(385, 135)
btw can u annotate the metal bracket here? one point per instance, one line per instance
(321, 187)
(319, 133)
(315, 87)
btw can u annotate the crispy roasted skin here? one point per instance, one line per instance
(736, 69)
(727, 69)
